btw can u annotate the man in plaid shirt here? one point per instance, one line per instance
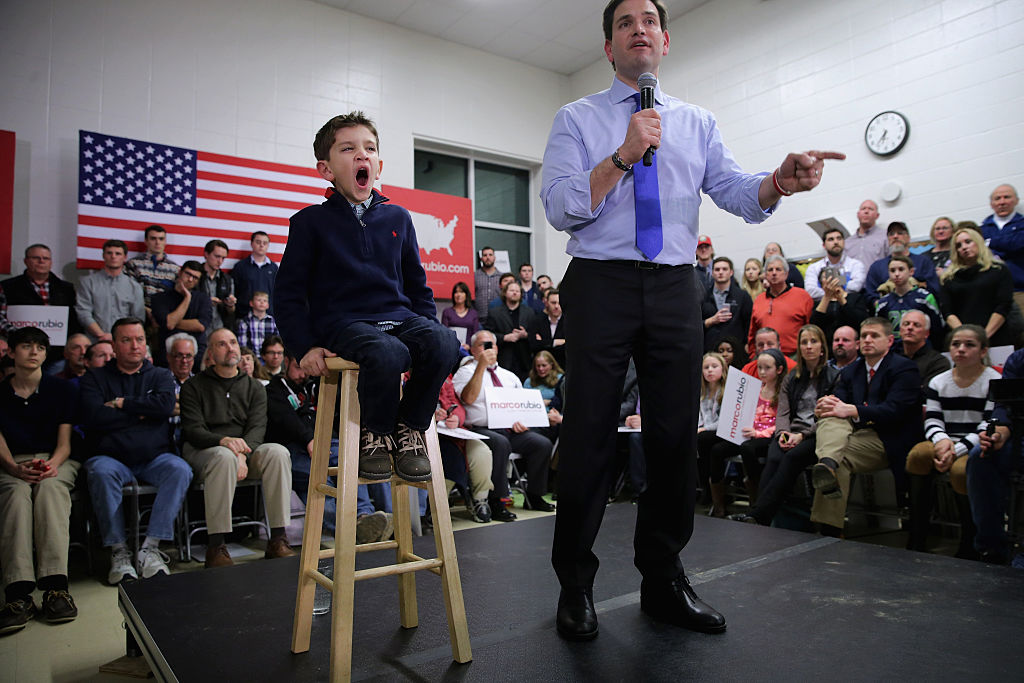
(38, 286)
(153, 270)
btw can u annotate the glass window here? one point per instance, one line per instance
(442, 173)
(502, 194)
(517, 244)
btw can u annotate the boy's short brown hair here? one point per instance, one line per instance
(324, 139)
(902, 259)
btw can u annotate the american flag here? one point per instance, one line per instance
(125, 185)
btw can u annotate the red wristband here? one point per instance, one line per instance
(778, 188)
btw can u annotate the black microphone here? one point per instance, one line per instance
(647, 82)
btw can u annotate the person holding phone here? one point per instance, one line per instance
(471, 383)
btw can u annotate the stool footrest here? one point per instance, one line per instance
(395, 569)
(327, 490)
(322, 580)
(328, 553)
(412, 557)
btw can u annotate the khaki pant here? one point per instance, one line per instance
(217, 469)
(36, 515)
(478, 467)
(856, 451)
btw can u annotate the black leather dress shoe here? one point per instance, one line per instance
(577, 618)
(674, 602)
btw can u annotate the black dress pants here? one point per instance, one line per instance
(614, 310)
(781, 470)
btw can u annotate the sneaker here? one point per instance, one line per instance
(374, 456)
(411, 461)
(824, 480)
(16, 614)
(481, 511)
(500, 513)
(58, 607)
(373, 527)
(121, 566)
(151, 561)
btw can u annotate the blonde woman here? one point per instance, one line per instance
(942, 239)
(977, 289)
(753, 278)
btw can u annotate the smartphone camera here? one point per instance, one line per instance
(488, 345)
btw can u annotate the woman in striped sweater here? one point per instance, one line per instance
(957, 410)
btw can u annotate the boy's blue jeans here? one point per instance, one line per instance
(425, 346)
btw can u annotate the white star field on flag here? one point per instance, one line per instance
(118, 173)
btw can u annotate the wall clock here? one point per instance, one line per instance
(887, 133)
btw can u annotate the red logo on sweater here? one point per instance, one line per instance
(394, 234)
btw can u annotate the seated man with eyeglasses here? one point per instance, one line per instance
(182, 308)
(181, 357)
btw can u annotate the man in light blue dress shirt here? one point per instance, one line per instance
(625, 301)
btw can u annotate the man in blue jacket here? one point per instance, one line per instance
(1003, 230)
(125, 406)
(870, 423)
(351, 284)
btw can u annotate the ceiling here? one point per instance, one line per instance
(558, 35)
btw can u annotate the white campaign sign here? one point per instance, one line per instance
(53, 320)
(739, 403)
(506, 406)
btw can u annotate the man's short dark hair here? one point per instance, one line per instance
(324, 139)
(193, 265)
(270, 341)
(119, 244)
(94, 346)
(609, 16)
(257, 234)
(154, 228)
(525, 264)
(724, 259)
(125, 322)
(213, 244)
(550, 291)
(829, 231)
(36, 246)
(483, 249)
(28, 335)
(881, 322)
(897, 226)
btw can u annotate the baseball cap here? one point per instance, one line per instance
(703, 239)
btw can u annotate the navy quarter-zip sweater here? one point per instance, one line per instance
(338, 269)
(139, 431)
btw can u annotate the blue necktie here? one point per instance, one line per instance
(647, 204)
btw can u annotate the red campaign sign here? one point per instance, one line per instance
(7, 144)
(444, 230)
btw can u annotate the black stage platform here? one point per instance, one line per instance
(798, 606)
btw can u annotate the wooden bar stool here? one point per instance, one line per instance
(345, 548)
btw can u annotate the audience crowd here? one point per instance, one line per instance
(175, 375)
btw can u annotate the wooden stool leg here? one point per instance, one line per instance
(401, 509)
(455, 607)
(310, 555)
(345, 530)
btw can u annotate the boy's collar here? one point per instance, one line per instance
(332, 194)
